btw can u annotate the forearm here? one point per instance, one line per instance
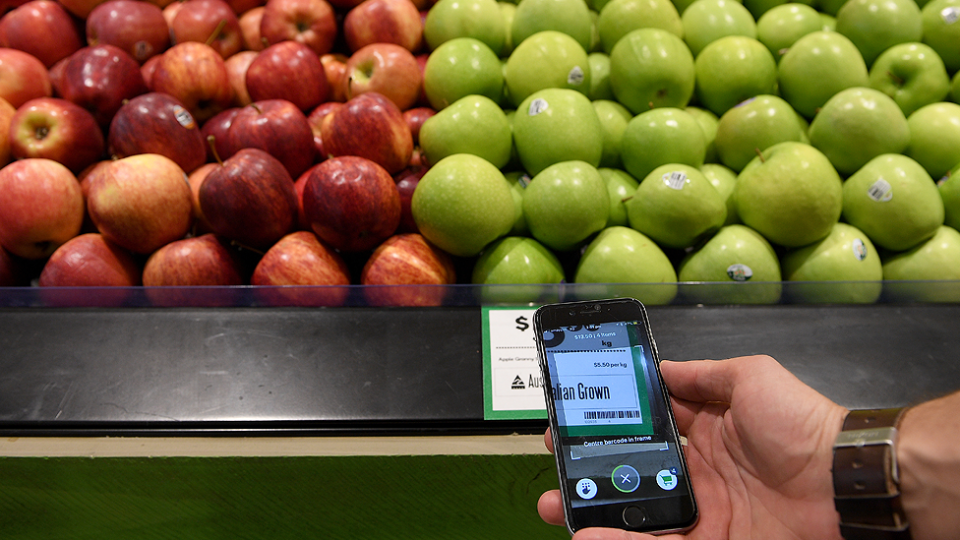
(928, 457)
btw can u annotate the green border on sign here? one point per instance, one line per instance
(488, 412)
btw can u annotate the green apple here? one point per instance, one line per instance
(732, 69)
(621, 187)
(724, 180)
(557, 125)
(462, 204)
(706, 21)
(758, 8)
(894, 201)
(471, 125)
(516, 259)
(572, 17)
(949, 188)
(652, 68)
(935, 137)
(912, 74)
(514, 162)
(829, 22)
(661, 136)
(599, 76)
(621, 17)
(461, 67)
(830, 8)
(754, 126)
(734, 256)
(790, 194)
(613, 121)
(623, 255)
(846, 256)
(818, 66)
(937, 259)
(876, 25)
(509, 12)
(941, 30)
(676, 206)
(547, 59)
(708, 122)
(565, 204)
(518, 181)
(857, 125)
(480, 19)
(781, 27)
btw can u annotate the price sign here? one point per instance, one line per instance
(512, 385)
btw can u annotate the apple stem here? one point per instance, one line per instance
(256, 108)
(760, 155)
(211, 141)
(216, 31)
(236, 244)
(627, 199)
(896, 80)
(651, 105)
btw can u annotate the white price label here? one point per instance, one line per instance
(513, 385)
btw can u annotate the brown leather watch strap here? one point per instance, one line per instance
(865, 478)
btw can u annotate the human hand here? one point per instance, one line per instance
(759, 453)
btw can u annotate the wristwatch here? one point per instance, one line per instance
(866, 483)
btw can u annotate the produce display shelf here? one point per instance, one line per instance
(242, 369)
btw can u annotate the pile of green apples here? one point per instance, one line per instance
(650, 141)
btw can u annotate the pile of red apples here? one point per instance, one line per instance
(213, 143)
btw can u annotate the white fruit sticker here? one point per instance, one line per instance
(537, 106)
(880, 191)
(184, 117)
(859, 249)
(524, 180)
(575, 76)
(739, 272)
(675, 180)
(950, 14)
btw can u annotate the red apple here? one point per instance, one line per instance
(250, 199)
(385, 68)
(156, 123)
(279, 128)
(298, 187)
(335, 69)
(250, 28)
(90, 260)
(195, 179)
(6, 115)
(372, 127)
(217, 127)
(417, 270)
(311, 22)
(149, 68)
(42, 28)
(9, 5)
(415, 118)
(135, 26)
(384, 21)
(351, 203)
(288, 70)
(196, 75)
(100, 79)
(200, 260)
(41, 207)
(237, 66)
(56, 129)
(84, 179)
(242, 6)
(80, 8)
(407, 181)
(140, 202)
(212, 22)
(22, 77)
(300, 258)
(315, 119)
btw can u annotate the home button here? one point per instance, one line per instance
(634, 516)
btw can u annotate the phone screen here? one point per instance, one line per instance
(618, 446)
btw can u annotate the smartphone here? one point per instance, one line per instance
(615, 439)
